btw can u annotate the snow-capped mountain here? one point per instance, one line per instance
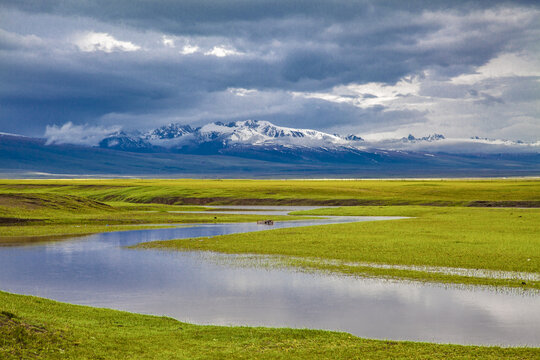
(260, 149)
(437, 143)
(248, 132)
(122, 141)
(170, 131)
(432, 137)
(262, 138)
(353, 137)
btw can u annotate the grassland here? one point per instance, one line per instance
(454, 223)
(32, 328)
(67, 206)
(522, 193)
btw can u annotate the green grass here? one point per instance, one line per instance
(356, 192)
(32, 328)
(448, 234)
(457, 237)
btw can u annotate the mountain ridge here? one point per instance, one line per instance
(218, 137)
(25, 157)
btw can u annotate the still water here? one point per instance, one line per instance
(208, 288)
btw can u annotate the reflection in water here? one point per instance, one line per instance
(208, 288)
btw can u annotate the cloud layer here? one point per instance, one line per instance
(365, 67)
(77, 134)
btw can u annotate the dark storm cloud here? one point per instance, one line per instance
(56, 92)
(305, 113)
(136, 80)
(189, 14)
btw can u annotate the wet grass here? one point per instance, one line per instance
(32, 328)
(456, 237)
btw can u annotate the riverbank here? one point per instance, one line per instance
(32, 327)
(34, 217)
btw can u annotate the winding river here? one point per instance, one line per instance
(209, 288)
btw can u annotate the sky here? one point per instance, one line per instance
(373, 68)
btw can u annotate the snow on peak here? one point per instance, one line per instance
(265, 135)
(432, 137)
(255, 132)
(170, 131)
(438, 143)
(353, 137)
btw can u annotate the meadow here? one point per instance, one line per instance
(469, 224)
(57, 207)
(518, 192)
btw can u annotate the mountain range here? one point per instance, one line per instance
(253, 148)
(221, 137)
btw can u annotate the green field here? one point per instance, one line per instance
(55, 207)
(32, 328)
(522, 193)
(466, 229)
(470, 224)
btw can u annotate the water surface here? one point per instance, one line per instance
(208, 288)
